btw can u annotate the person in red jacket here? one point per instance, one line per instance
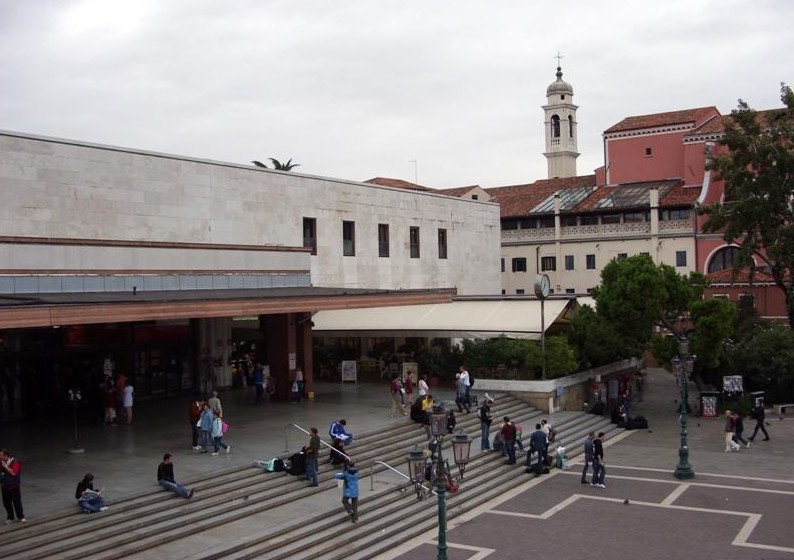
(10, 483)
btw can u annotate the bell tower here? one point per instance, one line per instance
(560, 126)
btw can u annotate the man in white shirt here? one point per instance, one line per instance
(465, 384)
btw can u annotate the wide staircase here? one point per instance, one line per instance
(154, 524)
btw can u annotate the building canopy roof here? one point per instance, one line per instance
(482, 318)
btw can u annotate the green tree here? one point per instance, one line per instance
(636, 295)
(765, 362)
(596, 342)
(757, 212)
(560, 357)
(714, 320)
(277, 165)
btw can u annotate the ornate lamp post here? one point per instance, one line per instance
(683, 366)
(441, 476)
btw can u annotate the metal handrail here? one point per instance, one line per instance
(286, 441)
(388, 466)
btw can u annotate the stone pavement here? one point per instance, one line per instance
(738, 506)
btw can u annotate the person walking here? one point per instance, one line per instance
(165, 478)
(194, 415)
(759, 415)
(485, 425)
(738, 429)
(465, 382)
(258, 380)
(127, 398)
(397, 394)
(312, 455)
(88, 498)
(205, 425)
(460, 395)
(215, 403)
(11, 486)
(588, 456)
(599, 467)
(217, 436)
(730, 426)
(349, 490)
(508, 432)
(409, 386)
(109, 398)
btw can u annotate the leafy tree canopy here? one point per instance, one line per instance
(757, 211)
(636, 295)
(765, 361)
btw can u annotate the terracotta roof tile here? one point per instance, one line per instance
(694, 116)
(727, 276)
(458, 191)
(398, 184)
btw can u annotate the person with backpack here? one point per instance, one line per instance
(349, 490)
(218, 426)
(485, 425)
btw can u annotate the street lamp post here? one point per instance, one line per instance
(75, 397)
(683, 366)
(440, 474)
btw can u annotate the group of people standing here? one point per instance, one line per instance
(207, 425)
(117, 399)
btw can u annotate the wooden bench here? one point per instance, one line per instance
(781, 408)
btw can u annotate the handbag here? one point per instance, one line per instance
(224, 427)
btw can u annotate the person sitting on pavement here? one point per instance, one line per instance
(89, 499)
(337, 430)
(165, 478)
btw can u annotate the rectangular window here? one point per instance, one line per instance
(548, 263)
(588, 220)
(519, 292)
(570, 291)
(635, 217)
(519, 264)
(568, 221)
(383, 240)
(610, 219)
(310, 234)
(442, 244)
(680, 258)
(590, 262)
(622, 256)
(414, 242)
(503, 264)
(546, 221)
(648, 152)
(568, 262)
(349, 239)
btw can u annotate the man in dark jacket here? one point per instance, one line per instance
(509, 438)
(759, 415)
(537, 444)
(588, 456)
(165, 478)
(599, 469)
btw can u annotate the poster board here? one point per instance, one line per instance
(348, 371)
(732, 384)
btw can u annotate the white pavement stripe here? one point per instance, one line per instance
(675, 494)
(729, 476)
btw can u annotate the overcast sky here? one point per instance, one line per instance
(362, 89)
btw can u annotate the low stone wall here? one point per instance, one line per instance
(563, 393)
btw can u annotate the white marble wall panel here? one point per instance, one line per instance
(81, 190)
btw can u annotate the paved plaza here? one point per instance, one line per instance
(738, 506)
